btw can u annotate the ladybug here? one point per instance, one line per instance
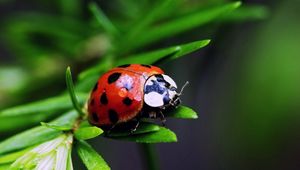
(129, 92)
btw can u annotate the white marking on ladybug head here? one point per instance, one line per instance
(160, 90)
(169, 80)
(154, 99)
(172, 94)
(150, 80)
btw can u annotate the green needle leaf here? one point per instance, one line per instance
(91, 159)
(164, 54)
(103, 20)
(36, 135)
(85, 133)
(144, 127)
(70, 163)
(11, 157)
(162, 136)
(4, 167)
(157, 10)
(248, 12)
(183, 24)
(70, 86)
(48, 105)
(56, 126)
(183, 112)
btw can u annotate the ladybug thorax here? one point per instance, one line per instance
(160, 91)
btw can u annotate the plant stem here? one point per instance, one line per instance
(150, 157)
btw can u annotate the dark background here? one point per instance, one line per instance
(244, 85)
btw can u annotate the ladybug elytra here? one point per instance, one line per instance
(131, 91)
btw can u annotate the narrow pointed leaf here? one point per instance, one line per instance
(246, 13)
(162, 136)
(183, 112)
(103, 20)
(85, 133)
(56, 126)
(36, 135)
(157, 10)
(11, 157)
(10, 124)
(88, 77)
(73, 96)
(164, 54)
(91, 159)
(5, 167)
(144, 127)
(183, 24)
(47, 105)
(70, 163)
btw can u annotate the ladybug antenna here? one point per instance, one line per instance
(182, 88)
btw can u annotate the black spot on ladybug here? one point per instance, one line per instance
(113, 116)
(127, 101)
(113, 77)
(92, 102)
(95, 117)
(124, 65)
(95, 87)
(103, 99)
(146, 65)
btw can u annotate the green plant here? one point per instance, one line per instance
(71, 128)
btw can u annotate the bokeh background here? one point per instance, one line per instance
(245, 85)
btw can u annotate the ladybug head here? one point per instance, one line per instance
(160, 91)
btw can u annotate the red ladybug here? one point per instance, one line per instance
(129, 91)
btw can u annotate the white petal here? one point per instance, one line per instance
(61, 157)
(51, 145)
(47, 162)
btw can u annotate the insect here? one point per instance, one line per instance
(129, 92)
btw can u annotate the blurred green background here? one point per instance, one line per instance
(245, 85)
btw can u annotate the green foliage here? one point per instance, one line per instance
(105, 23)
(165, 54)
(183, 112)
(13, 156)
(36, 135)
(70, 87)
(85, 133)
(91, 159)
(56, 126)
(250, 12)
(180, 25)
(72, 36)
(144, 127)
(163, 135)
(49, 105)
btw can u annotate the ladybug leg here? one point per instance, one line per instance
(135, 127)
(111, 128)
(162, 118)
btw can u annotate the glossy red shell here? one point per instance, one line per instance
(118, 95)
